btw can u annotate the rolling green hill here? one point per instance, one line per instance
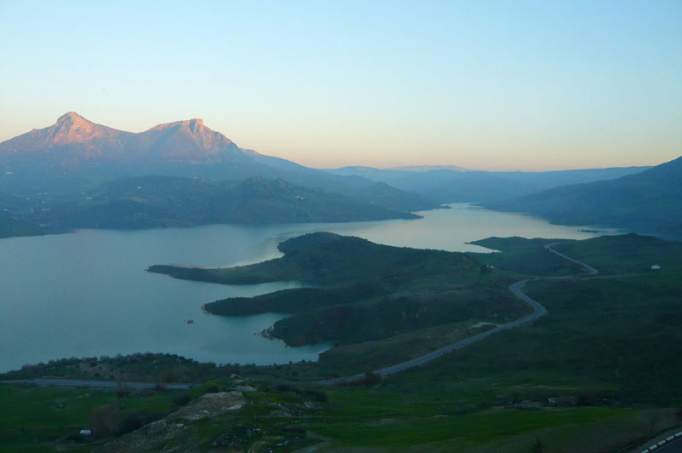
(363, 291)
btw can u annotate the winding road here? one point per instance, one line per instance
(516, 288)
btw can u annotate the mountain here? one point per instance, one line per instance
(75, 155)
(649, 202)
(447, 185)
(167, 201)
(70, 129)
(78, 148)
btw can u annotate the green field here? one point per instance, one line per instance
(35, 419)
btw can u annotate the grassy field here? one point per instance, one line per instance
(616, 339)
(612, 255)
(285, 418)
(524, 256)
(610, 347)
(35, 419)
(625, 254)
(355, 420)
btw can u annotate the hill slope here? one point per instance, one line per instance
(650, 201)
(162, 201)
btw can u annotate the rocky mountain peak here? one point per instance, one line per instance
(71, 118)
(73, 128)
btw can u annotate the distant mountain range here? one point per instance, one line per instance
(649, 202)
(452, 184)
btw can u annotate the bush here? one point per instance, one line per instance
(104, 420)
(182, 399)
(316, 396)
(135, 420)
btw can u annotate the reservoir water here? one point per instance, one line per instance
(87, 293)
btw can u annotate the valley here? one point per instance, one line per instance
(341, 227)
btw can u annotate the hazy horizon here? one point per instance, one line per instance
(387, 167)
(532, 86)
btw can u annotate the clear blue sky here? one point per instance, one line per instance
(481, 84)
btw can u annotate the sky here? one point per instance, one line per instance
(478, 84)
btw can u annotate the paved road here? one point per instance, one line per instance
(673, 447)
(94, 384)
(672, 443)
(538, 311)
(586, 267)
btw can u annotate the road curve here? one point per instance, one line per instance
(516, 288)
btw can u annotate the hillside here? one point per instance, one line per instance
(13, 211)
(330, 259)
(164, 201)
(365, 292)
(10, 227)
(650, 202)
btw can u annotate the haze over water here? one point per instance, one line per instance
(87, 293)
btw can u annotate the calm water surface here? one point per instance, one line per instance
(87, 294)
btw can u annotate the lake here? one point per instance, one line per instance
(87, 293)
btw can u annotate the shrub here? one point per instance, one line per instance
(104, 420)
(135, 420)
(316, 396)
(182, 399)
